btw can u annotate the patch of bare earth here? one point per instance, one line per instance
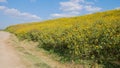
(8, 56)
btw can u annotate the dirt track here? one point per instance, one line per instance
(8, 56)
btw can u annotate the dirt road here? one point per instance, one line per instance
(8, 56)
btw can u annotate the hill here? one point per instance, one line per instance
(93, 37)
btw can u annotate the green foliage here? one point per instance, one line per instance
(93, 37)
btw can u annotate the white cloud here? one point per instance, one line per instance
(16, 13)
(2, 7)
(60, 15)
(57, 15)
(71, 6)
(3, 0)
(118, 8)
(92, 9)
(75, 7)
(77, 1)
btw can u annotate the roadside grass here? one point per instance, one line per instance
(30, 60)
(35, 57)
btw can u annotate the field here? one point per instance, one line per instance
(94, 37)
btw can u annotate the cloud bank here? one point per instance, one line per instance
(18, 14)
(3, 0)
(75, 7)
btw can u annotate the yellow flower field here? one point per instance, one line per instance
(92, 37)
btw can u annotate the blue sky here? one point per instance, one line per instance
(21, 11)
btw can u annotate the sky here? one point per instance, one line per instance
(22, 11)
